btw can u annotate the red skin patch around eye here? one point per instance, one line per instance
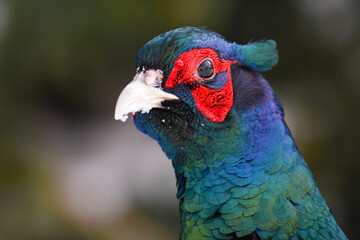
(213, 103)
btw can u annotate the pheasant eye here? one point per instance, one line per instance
(205, 69)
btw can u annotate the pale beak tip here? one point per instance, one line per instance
(121, 117)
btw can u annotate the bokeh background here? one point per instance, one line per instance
(68, 170)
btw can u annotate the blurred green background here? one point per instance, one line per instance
(68, 170)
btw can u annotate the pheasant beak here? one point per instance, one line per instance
(142, 94)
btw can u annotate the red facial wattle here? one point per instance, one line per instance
(213, 103)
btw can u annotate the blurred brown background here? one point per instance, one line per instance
(68, 170)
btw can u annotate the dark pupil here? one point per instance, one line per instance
(206, 69)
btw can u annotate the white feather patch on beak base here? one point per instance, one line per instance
(142, 94)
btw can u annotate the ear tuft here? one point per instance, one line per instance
(261, 56)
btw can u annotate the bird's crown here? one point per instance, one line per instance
(163, 50)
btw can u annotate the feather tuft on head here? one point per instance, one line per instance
(261, 56)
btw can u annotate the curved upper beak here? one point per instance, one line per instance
(142, 94)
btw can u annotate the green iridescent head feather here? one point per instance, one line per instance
(161, 52)
(261, 56)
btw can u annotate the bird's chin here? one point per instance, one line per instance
(174, 120)
(160, 112)
(160, 118)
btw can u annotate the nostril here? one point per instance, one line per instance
(159, 78)
(153, 78)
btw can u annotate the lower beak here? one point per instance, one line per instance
(142, 94)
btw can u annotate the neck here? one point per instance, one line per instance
(205, 189)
